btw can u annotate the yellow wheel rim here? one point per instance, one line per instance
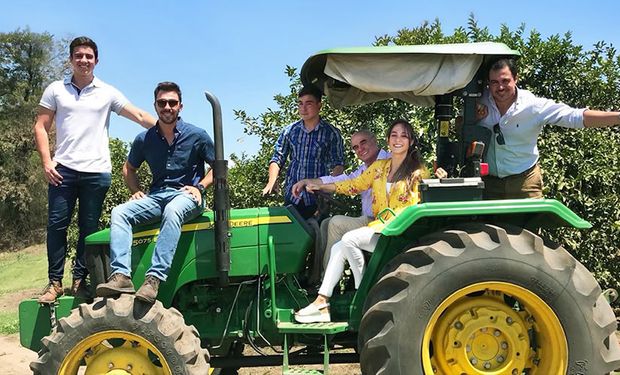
(114, 353)
(488, 328)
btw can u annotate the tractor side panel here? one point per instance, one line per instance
(292, 240)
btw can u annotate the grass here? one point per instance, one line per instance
(9, 322)
(21, 271)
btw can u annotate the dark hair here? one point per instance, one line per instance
(310, 90)
(168, 86)
(412, 163)
(83, 41)
(502, 63)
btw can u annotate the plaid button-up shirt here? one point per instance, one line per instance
(312, 154)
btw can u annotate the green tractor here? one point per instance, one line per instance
(456, 285)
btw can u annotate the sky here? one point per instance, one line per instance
(238, 50)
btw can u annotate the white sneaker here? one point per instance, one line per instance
(313, 314)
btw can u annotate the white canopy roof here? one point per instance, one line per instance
(414, 74)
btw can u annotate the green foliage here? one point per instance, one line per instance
(9, 323)
(28, 61)
(580, 166)
(117, 194)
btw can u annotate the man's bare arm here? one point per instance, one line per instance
(274, 172)
(138, 115)
(600, 119)
(130, 175)
(42, 126)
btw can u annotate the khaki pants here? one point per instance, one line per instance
(333, 228)
(527, 184)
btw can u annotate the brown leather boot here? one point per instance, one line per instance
(80, 289)
(148, 290)
(117, 284)
(51, 292)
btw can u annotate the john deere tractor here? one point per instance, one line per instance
(455, 285)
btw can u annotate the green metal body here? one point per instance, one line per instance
(245, 309)
(35, 320)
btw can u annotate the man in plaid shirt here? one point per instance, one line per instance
(315, 148)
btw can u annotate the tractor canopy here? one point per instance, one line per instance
(414, 74)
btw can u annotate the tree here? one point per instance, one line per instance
(580, 166)
(28, 62)
(117, 194)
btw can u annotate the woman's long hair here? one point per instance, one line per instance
(410, 169)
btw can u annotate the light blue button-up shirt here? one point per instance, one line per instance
(520, 126)
(367, 194)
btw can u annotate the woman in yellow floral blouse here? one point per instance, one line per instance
(394, 184)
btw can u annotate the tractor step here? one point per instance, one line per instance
(323, 329)
(299, 371)
(328, 328)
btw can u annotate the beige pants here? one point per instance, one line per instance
(527, 184)
(332, 230)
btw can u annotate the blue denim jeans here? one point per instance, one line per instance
(90, 190)
(172, 206)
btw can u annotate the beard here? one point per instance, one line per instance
(168, 118)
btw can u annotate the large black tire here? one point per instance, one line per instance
(97, 259)
(122, 334)
(502, 286)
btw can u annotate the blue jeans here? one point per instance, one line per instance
(90, 190)
(172, 206)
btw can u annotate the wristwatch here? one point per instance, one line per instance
(200, 188)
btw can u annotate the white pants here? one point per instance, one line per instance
(349, 249)
(335, 227)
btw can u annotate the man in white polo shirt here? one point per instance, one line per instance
(80, 170)
(516, 118)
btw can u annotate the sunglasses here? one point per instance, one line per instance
(499, 136)
(161, 103)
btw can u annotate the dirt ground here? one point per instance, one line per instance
(14, 359)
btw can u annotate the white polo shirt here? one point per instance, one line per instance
(82, 121)
(521, 125)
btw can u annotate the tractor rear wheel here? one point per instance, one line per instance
(122, 336)
(483, 299)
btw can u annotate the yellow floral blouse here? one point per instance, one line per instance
(375, 177)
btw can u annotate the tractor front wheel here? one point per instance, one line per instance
(483, 299)
(122, 336)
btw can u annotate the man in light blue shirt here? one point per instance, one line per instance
(364, 144)
(516, 117)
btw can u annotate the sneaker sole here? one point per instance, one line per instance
(312, 319)
(145, 299)
(107, 292)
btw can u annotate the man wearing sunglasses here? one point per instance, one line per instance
(80, 170)
(516, 118)
(176, 153)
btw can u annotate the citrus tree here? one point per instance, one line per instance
(581, 167)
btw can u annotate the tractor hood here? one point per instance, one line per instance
(414, 74)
